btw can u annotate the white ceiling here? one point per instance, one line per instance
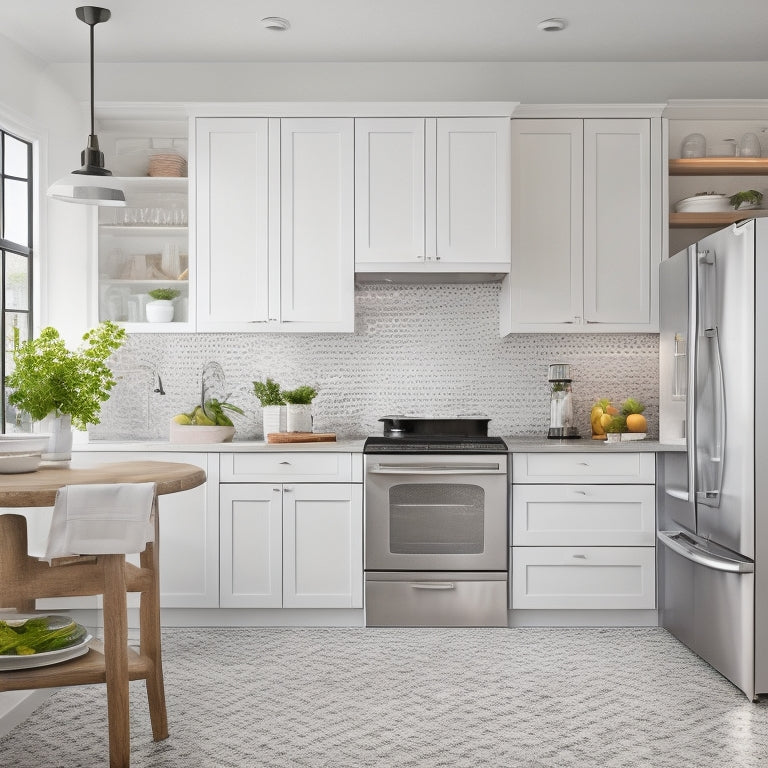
(394, 30)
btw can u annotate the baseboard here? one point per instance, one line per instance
(584, 618)
(17, 706)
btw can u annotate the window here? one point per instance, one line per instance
(15, 255)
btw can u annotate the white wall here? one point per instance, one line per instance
(36, 106)
(527, 82)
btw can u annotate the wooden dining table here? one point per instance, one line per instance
(23, 578)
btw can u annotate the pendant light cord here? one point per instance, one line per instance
(93, 122)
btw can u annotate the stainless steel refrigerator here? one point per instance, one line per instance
(713, 496)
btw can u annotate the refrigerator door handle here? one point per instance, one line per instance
(685, 546)
(693, 355)
(711, 496)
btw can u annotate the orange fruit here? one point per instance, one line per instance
(636, 422)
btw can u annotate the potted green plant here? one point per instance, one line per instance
(64, 388)
(160, 310)
(270, 397)
(615, 427)
(749, 198)
(299, 408)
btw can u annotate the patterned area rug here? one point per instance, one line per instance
(415, 698)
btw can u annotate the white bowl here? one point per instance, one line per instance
(17, 464)
(704, 204)
(21, 443)
(192, 433)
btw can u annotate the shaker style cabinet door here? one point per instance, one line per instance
(231, 222)
(389, 189)
(617, 221)
(545, 282)
(322, 545)
(472, 171)
(251, 545)
(317, 249)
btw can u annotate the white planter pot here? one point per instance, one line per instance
(60, 440)
(160, 311)
(299, 418)
(274, 418)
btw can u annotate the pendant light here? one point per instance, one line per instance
(91, 184)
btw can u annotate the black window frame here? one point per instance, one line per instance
(8, 246)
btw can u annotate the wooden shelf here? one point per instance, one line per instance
(719, 166)
(144, 229)
(714, 219)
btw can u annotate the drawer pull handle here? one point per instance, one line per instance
(433, 585)
(288, 490)
(580, 557)
(583, 463)
(286, 462)
(581, 493)
(276, 490)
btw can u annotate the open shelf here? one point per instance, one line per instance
(719, 166)
(711, 219)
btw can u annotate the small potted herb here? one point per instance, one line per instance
(299, 400)
(160, 310)
(64, 388)
(615, 427)
(270, 397)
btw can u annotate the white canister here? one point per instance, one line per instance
(299, 418)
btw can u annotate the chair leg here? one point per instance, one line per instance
(149, 619)
(116, 657)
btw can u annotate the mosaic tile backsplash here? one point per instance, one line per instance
(417, 349)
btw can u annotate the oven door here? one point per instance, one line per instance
(438, 512)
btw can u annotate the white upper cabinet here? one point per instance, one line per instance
(432, 194)
(586, 217)
(274, 224)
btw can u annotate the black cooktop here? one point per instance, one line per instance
(434, 434)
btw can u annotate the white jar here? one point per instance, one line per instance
(299, 418)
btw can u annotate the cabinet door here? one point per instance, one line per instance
(471, 183)
(251, 545)
(322, 546)
(389, 189)
(617, 221)
(231, 222)
(544, 287)
(317, 260)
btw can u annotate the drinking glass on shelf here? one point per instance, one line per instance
(694, 145)
(749, 146)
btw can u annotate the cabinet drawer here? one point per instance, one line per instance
(305, 467)
(583, 467)
(435, 600)
(598, 515)
(583, 577)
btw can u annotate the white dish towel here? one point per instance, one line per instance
(99, 519)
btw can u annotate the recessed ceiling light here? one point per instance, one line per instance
(275, 23)
(552, 25)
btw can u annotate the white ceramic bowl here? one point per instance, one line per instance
(23, 443)
(704, 204)
(192, 433)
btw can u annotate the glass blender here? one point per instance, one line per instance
(561, 403)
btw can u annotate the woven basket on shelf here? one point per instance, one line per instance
(167, 165)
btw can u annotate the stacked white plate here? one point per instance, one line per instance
(21, 452)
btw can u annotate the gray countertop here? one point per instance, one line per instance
(528, 444)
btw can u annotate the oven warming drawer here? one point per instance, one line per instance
(434, 599)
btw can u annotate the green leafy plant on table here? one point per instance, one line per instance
(300, 396)
(164, 294)
(49, 378)
(268, 392)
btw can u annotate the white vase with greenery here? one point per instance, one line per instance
(272, 406)
(299, 407)
(161, 309)
(61, 387)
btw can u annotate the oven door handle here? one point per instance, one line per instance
(437, 469)
(442, 585)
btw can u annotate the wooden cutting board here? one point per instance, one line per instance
(301, 437)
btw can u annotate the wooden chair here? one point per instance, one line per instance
(23, 579)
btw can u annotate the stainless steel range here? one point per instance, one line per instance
(435, 524)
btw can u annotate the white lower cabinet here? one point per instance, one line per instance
(583, 545)
(297, 545)
(189, 535)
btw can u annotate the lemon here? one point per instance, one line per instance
(201, 419)
(182, 418)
